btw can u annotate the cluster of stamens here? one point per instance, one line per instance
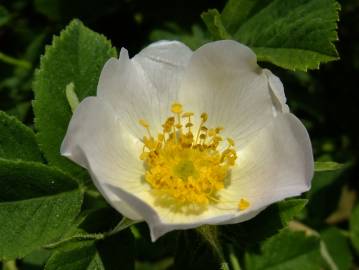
(185, 166)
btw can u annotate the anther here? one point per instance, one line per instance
(230, 141)
(146, 126)
(143, 123)
(176, 108)
(243, 204)
(204, 117)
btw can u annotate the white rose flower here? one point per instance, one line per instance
(180, 138)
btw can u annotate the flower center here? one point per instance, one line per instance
(185, 169)
(183, 166)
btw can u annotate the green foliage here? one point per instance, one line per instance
(327, 166)
(37, 205)
(76, 56)
(107, 253)
(76, 256)
(354, 228)
(287, 250)
(36, 259)
(212, 18)
(210, 240)
(295, 35)
(17, 141)
(338, 248)
(266, 224)
(194, 39)
(324, 195)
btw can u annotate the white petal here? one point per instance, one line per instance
(223, 79)
(94, 141)
(145, 86)
(162, 220)
(277, 164)
(277, 93)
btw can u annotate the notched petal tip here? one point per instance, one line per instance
(230, 54)
(123, 54)
(276, 90)
(70, 146)
(167, 43)
(166, 53)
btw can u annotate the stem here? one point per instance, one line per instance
(298, 226)
(233, 259)
(210, 235)
(224, 266)
(71, 96)
(90, 236)
(15, 62)
(122, 225)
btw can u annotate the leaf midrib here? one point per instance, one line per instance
(41, 197)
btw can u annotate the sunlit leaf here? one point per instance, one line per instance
(285, 251)
(76, 56)
(293, 34)
(17, 141)
(37, 205)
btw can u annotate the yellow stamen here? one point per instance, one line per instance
(243, 204)
(146, 126)
(184, 169)
(230, 141)
(143, 123)
(187, 114)
(176, 108)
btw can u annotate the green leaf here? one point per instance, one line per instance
(327, 166)
(324, 195)
(236, 12)
(115, 252)
(287, 250)
(354, 228)
(37, 205)
(85, 226)
(196, 38)
(266, 224)
(35, 260)
(293, 34)
(75, 256)
(17, 141)
(338, 248)
(77, 57)
(212, 19)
